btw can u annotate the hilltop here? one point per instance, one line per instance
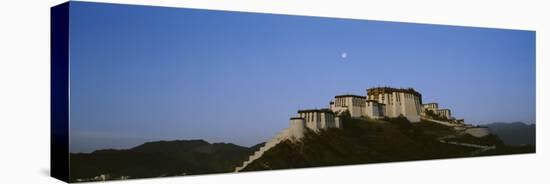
(363, 140)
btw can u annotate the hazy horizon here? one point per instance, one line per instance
(141, 73)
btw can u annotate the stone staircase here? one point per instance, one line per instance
(268, 145)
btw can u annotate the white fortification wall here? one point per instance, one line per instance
(374, 109)
(411, 107)
(283, 135)
(356, 106)
(297, 127)
(313, 119)
(429, 106)
(400, 103)
(353, 103)
(446, 113)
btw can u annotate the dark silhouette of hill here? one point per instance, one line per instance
(257, 146)
(371, 141)
(162, 158)
(360, 141)
(516, 133)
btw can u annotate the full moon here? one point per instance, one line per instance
(344, 55)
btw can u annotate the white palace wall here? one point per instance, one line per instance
(374, 109)
(353, 103)
(400, 103)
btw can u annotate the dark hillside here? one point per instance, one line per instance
(368, 141)
(162, 158)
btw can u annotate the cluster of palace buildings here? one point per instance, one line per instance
(378, 103)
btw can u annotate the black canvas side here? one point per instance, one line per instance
(59, 92)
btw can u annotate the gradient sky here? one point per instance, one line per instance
(143, 73)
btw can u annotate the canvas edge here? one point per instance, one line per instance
(59, 91)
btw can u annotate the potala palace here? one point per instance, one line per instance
(379, 102)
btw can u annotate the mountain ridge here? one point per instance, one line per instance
(158, 158)
(514, 133)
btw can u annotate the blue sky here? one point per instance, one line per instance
(143, 73)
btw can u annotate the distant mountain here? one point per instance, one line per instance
(516, 133)
(162, 158)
